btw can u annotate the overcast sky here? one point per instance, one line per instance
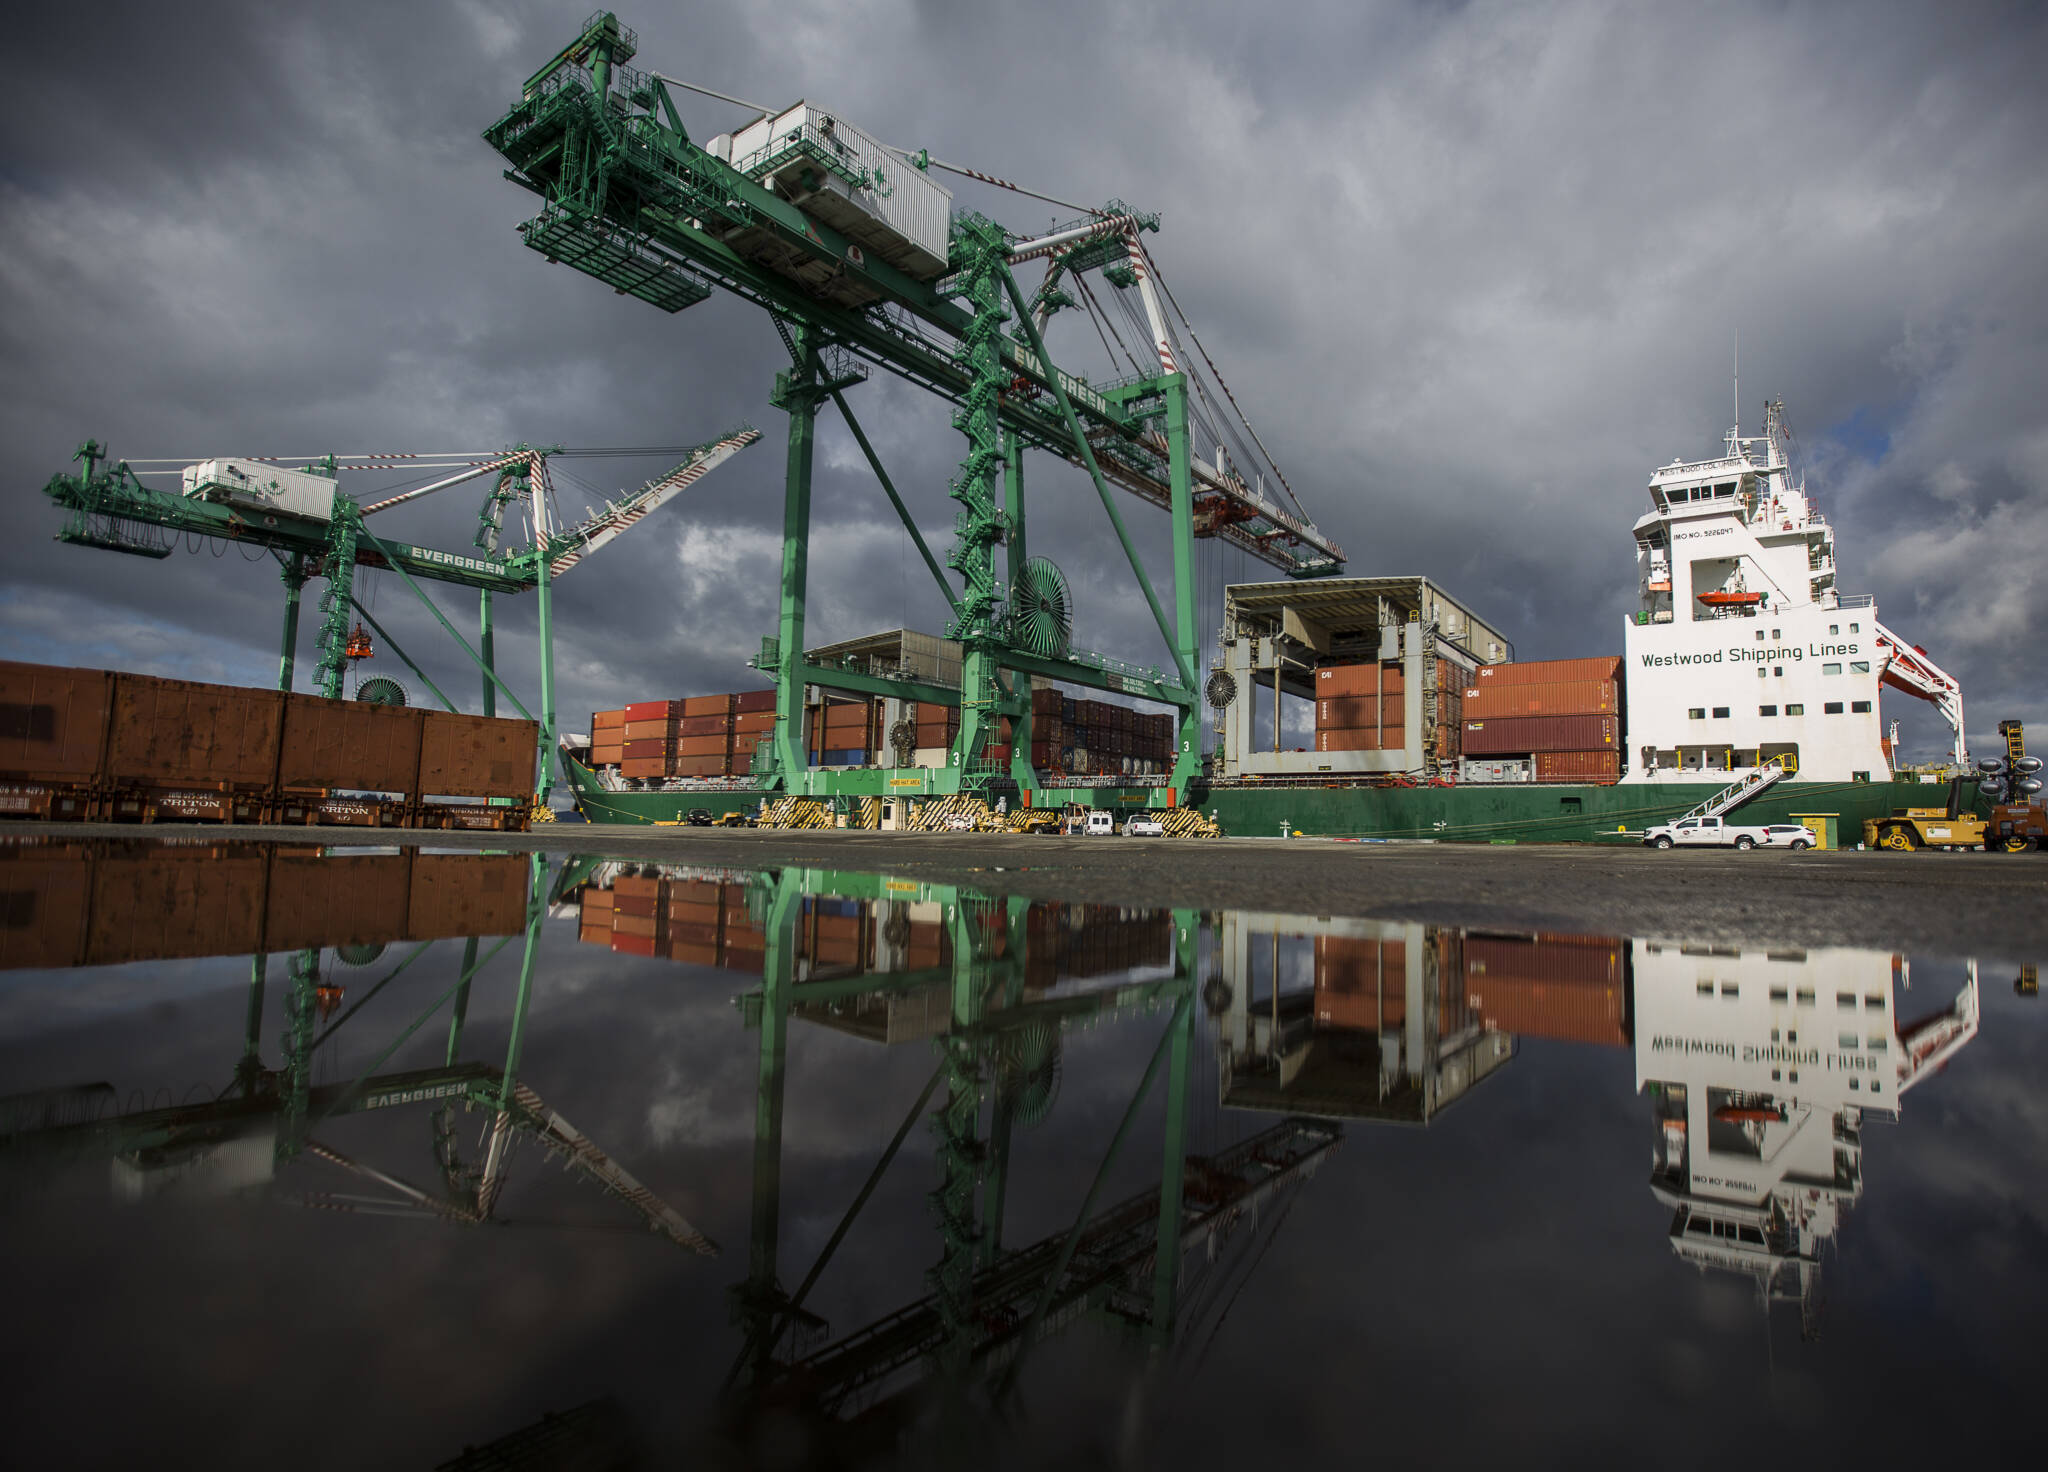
(1472, 269)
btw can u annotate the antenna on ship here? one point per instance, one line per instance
(1738, 384)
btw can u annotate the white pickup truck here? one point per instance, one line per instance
(1718, 833)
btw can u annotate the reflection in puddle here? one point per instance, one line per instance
(1185, 1076)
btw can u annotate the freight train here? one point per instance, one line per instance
(107, 746)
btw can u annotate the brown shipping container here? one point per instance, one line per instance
(1512, 735)
(644, 730)
(645, 926)
(700, 766)
(1348, 740)
(175, 904)
(703, 725)
(703, 746)
(42, 900)
(646, 766)
(753, 702)
(607, 720)
(467, 894)
(598, 935)
(839, 715)
(300, 912)
(707, 705)
(1360, 981)
(754, 723)
(345, 743)
(1578, 766)
(476, 756)
(1350, 712)
(1568, 698)
(53, 722)
(177, 731)
(634, 751)
(627, 886)
(691, 953)
(1550, 956)
(1549, 671)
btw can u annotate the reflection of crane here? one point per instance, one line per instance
(314, 529)
(265, 1119)
(996, 1037)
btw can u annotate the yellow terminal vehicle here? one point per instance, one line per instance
(1944, 827)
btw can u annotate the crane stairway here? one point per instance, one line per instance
(1772, 771)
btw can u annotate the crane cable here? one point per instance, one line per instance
(1220, 383)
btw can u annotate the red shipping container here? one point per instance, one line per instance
(998, 752)
(752, 702)
(1514, 735)
(703, 725)
(1549, 671)
(1566, 698)
(705, 705)
(1348, 740)
(653, 710)
(1578, 766)
(654, 746)
(633, 945)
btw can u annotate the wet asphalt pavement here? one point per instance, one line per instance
(1972, 903)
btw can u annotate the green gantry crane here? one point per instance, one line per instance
(811, 219)
(314, 529)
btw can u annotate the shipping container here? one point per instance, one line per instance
(300, 912)
(331, 744)
(45, 894)
(53, 722)
(706, 705)
(703, 746)
(1367, 739)
(754, 702)
(655, 710)
(634, 751)
(254, 486)
(1549, 671)
(643, 768)
(650, 730)
(179, 732)
(1519, 735)
(173, 904)
(476, 756)
(698, 766)
(467, 894)
(1496, 769)
(606, 720)
(753, 722)
(1557, 698)
(1351, 712)
(1578, 766)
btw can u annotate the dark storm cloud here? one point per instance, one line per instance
(1472, 270)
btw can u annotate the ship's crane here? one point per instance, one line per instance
(314, 529)
(1907, 667)
(860, 258)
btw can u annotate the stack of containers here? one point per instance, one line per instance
(1364, 707)
(649, 748)
(842, 733)
(937, 725)
(607, 737)
(700, 922)
(1094, 737)
(753, 722)
(704, 737)
(1361, 982)
(830, 931)
(1065, 940)
(1564, 715)
(696, 917)
(1565, 987)
(638, 918)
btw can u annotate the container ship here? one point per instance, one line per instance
(1746, 679)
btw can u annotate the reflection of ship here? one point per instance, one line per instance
(1761, 1067)
(83, 904)
(1402, 1019)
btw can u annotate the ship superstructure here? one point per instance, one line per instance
(1745, 652)
(1762, 1066)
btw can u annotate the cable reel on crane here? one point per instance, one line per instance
(381, 690)
(1041, 609)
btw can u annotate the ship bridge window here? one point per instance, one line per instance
(1726, 488)
(1859, 707)
(1767, 710)
(1833, 668)
(1720, 712)
(1795, 710)
(1859, 666)
(1831, 708)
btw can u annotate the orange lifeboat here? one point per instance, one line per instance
(1722, 598)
